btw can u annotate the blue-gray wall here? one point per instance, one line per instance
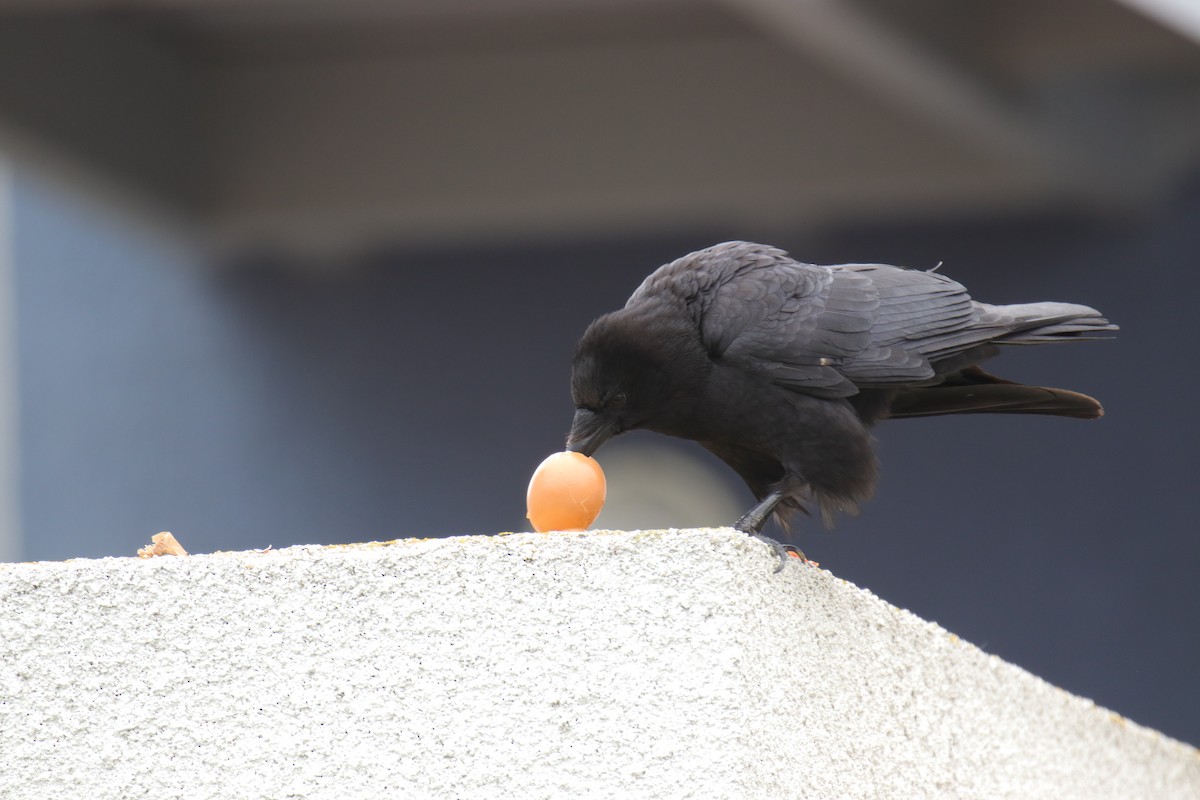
(412, 393)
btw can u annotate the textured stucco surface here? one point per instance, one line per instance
(605, 664)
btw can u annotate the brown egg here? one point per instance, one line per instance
(565, 493)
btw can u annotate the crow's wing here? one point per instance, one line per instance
(822, 330)
(923, 318)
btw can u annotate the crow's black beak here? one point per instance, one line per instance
(589, 430)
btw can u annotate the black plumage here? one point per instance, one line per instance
(780, 368)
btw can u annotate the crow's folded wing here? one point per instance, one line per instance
(822, 330)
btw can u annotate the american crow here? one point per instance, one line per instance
(780, 368)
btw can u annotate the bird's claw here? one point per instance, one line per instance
(785, 552)
(751, 523)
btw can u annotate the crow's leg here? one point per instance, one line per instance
(753, 520)
(752, 523)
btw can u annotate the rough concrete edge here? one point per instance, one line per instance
(1100, 713)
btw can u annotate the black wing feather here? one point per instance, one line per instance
(831, 330)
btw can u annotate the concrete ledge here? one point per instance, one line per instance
(608, 664)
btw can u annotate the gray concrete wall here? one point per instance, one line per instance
(662, 664)
(11, 536)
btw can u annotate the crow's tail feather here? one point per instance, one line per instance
(1040, 323)
(973, 391)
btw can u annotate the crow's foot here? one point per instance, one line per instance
(752, 522)
(786, 552)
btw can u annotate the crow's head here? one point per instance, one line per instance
(631, 370)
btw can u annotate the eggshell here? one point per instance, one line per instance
(565, 493)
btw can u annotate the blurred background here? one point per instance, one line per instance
(278, 272)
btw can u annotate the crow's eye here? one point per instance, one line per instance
(618, 400)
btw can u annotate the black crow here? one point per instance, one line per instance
(780, 368)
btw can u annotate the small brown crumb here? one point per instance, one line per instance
(796, 555)
(164, 544)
